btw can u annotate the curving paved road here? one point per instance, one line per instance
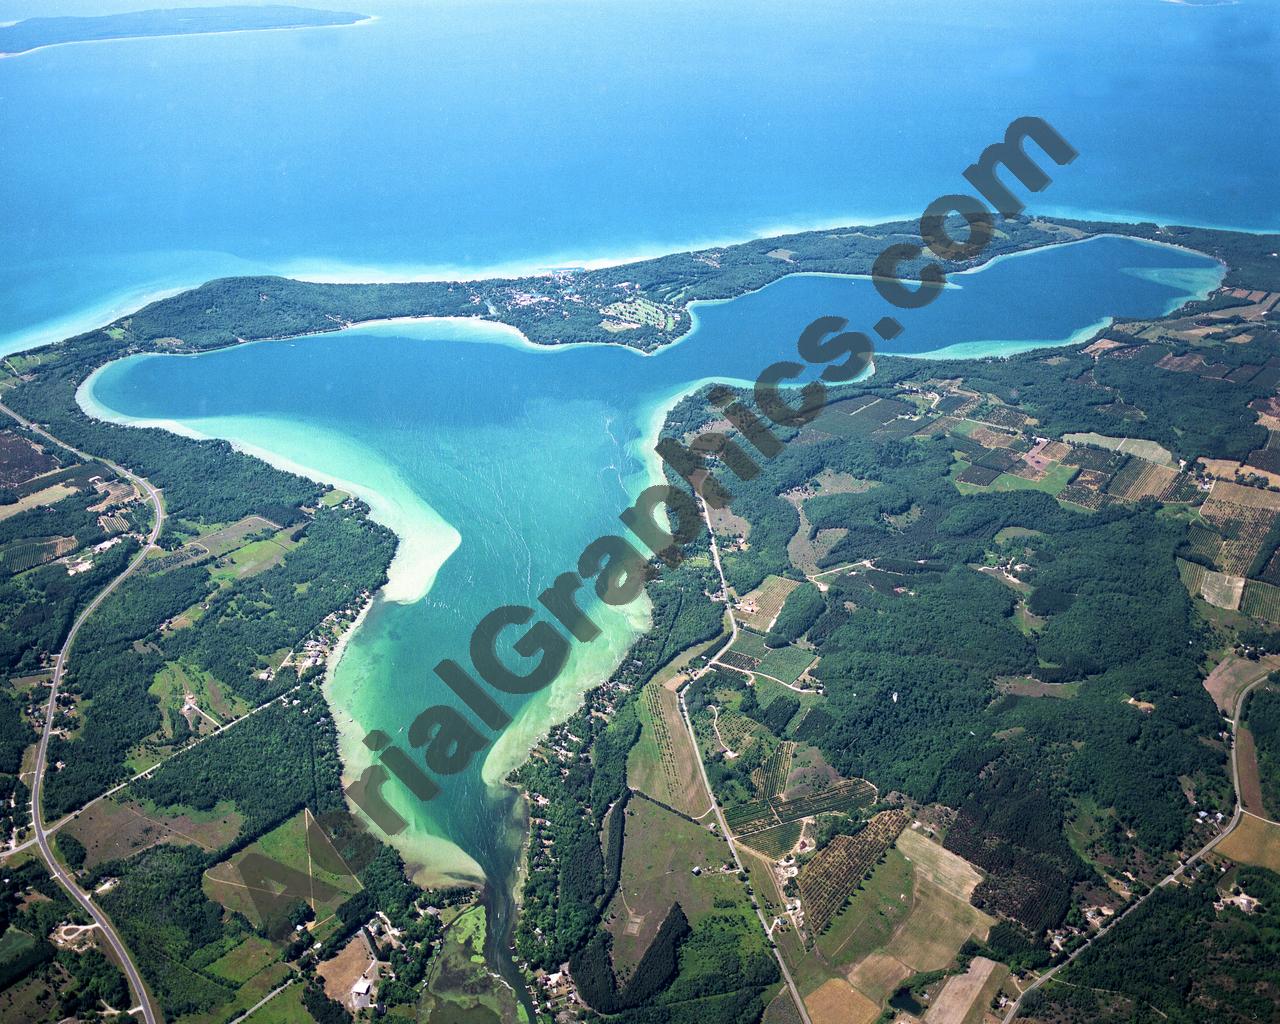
(715, 804)
(136, 984)
(1170, 879)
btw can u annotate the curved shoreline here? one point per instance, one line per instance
(425, 540)
(307, 269)
(522, 340)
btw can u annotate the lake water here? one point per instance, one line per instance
(453, 138)
(456, 136)
(498, 461)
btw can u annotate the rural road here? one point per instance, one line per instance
(715, 805)
(141, 995)
(1170, 879)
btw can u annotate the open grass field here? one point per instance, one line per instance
(246, 995)
(252, 558)
(245, 960)
(284, 1008)
(1221, 590)
(873, 913)
(952, 873)
(1232, 675)
(1025, 686)
(117, 828)
(663, 763)
(46, 496)
(965, 997)
(1253, 841)
(836, 872)
(769, 690)
(179, 679)
(1250, 783)
(927, 936)
(1143, 449)
(838, 1002)
(938, 925)
(302, 847)
(659, 852)
(758, 609)
(1056, 476)
(227, 538)
(13, 943)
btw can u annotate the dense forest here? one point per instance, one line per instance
(1198, 964)
(713, 970)
(1262, 716)
(573, 305)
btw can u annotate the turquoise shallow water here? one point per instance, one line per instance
(476, 134)
(508, 459)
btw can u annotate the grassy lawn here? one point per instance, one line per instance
(285, 1008)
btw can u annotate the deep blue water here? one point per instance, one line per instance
(480, 134)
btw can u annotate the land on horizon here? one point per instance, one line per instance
(36, 33)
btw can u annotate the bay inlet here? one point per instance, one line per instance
(496, 461)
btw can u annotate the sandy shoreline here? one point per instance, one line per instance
(425, 541)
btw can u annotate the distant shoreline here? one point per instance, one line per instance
(8, 54)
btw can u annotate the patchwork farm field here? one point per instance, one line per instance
(310, 859)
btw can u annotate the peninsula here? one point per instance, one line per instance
(37, 33)
(969, 661)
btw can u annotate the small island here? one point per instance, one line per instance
(37, 33)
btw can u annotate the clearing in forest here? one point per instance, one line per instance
(660, 851)
(1253, 841)
(758, 609)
